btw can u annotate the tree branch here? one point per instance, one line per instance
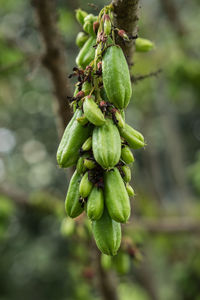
(54, 58)
(126, 18)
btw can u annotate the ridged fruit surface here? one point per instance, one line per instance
(73, 138)
(116, 77)
(87, 53)
(72, 205)
(93, 112)
(134, 138)
(107, 234)
(116, 197)
(95, 204)
(106, 144)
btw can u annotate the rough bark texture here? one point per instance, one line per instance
(54, 58)
(126, 17)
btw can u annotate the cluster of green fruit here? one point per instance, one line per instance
(97, 139)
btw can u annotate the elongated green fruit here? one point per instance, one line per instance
(127, 155)
(130, 190)
(116, 77)
(85, 186)
(116, 196)
(107, 234)
(106, 144)
(143, 45)
(81, 39)
(127, 173)
(88, 24)
(87, 52)
(121, 263)
(72, 140)
(87, 145)
(89, 164)
(80, 167)
(95, 204)
(106, 261)
(120, 119)
(80, 15)
(134, 138)
(92, 111)
(72, 205)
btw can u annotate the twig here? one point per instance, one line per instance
(126, 18)
(54, 58)
(135, 79)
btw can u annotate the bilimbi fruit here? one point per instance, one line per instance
(97, 140)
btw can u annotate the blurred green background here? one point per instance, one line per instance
(37, 259)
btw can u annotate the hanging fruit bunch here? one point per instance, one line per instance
(97, 139)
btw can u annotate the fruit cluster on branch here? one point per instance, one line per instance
(98, 140)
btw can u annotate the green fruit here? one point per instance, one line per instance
(81, 39)
(85, 186)
(116, 77)
(67, 227)
(130, 190)
(106, 144)
(106, 261)
(87, 53)
(120, 119)
(88, 24)
(95, 204)
(72, 140)
(89, 164)
(134, 138)
(87, 145)
(80, 167)
(127, 155)
(72, 205)
(127, 173)
(107, 234)
(80, 15)
(92, 111)
(121, 263)
(82, 120)
(116, 196)
(143, 45)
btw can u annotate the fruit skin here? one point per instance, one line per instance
(92, 111)
(80, 15)
(130, 190)
(81, 39)
(72, 140)
(106, 144)
(116, 196)
(143, 45)
(107, 234)
(134, 138)
(80, 166)
(121, 263)
(87, 145)
(89, 163)
(127, 173)
(116, 77)
(72, 205)
(127, 155)
(87, 53)
(95, 204)
(85, 186)
(88, 24)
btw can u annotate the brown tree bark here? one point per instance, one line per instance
(54, 58)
